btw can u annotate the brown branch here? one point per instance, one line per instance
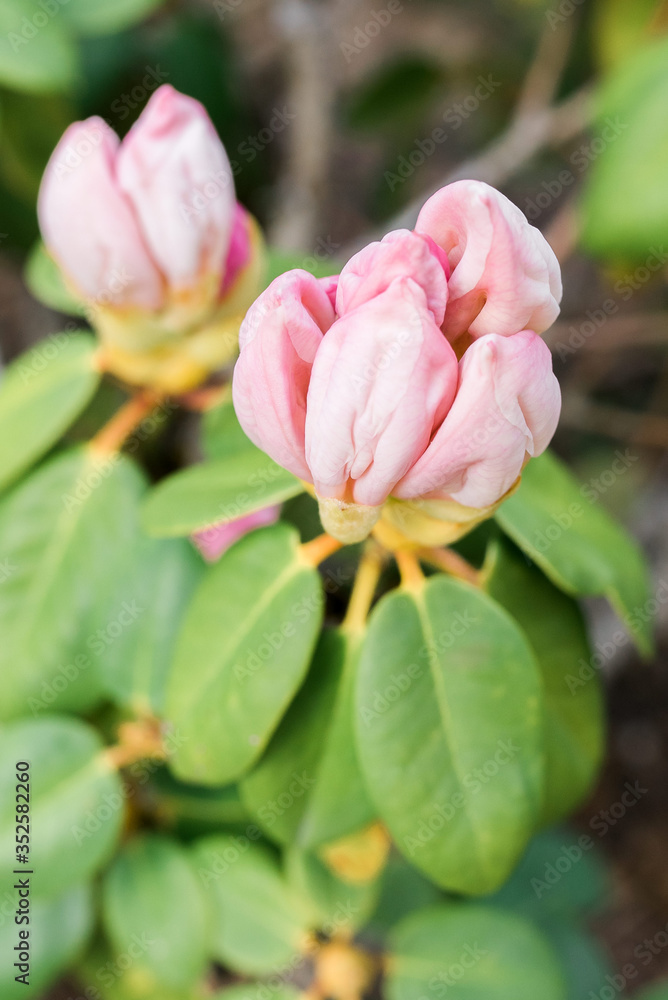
(503, 158)
(536, 124)
(309, 137)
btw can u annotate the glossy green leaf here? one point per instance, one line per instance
(259, 923)
(37, 53)
(244, 648)
(76, 801)
(577, 544)
(337, 907)
(308, 785)
(449, 730)
(574, 714)
(164, 576)
(58, 931)
(66, 537)
(152, 894)
(99, 17)
(44, 279)
(41, 393)
(561, 876)
(468, 952)
(632, 127)
(222, 490)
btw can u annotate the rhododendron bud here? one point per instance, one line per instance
(353, 383)
(213, 541)
(505, 277)
(148, 232)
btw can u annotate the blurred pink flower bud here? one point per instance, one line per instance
(149, 233)
(213, 541)
(352, 385)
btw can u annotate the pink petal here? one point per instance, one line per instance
(89, 227)
(279, 339)
(399, 254)
(505, 276)
(506, 410)
(218, 538)
(239, 250)
(383, 379)
(174, 169)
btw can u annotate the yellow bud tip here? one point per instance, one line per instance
(347, 522)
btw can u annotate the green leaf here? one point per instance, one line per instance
(619, 28)
(99, 17)
(257, 991)
(242, 653)
(583, 960)
(45, 281)
(578, 545)
(308, 786)
(66, 537)
(107, 974)
(58, 931)
(37, 53)
(659, 992)
(574, 714)
(474, 953)
(76, 801)
(222, 435)
(152, 894)
(449, 730)
(195, 810)
(221, 490)
(337, 907)
(259, 923)
(561, 876)
(41, 393)
(32, 125)
(633, 132)
(164, 576)
(403, 890)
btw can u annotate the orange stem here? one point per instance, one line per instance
(317, 550)
(137, 741)
(451, 562)
(412, 577)
(116, 431)
(205, 398)
(364, 588)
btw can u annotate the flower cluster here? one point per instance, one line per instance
(417, 374)
(166, 285)
(407, 392)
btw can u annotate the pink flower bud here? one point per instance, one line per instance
(90, 227)
(352, 385)
(213, 541)
(505, 277)
(149, 232)
(505, 412)
(174, 171)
